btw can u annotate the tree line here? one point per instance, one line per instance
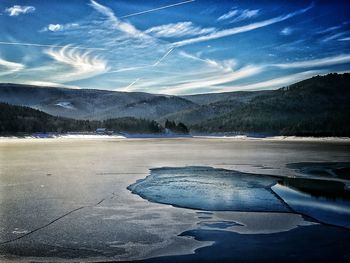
(19, 119)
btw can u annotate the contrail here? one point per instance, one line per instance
(163, 57)
(127, 87)
(44, 45)
(132, 83)
(142, 67)
(128, 69)
(156, 9)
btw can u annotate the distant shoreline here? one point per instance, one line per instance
(176, 136)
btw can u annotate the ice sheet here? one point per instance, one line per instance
(210, 189)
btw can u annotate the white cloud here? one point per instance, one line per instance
(321, 62)
(178, 30)
(45, 45)
(226, 65)
(215, 79)
(228, 15)
(115, 22)
(17, 10)
(10, 67)
(240, 29)
(332, 28)
(274, 83)
(59, 27)
(329, 29)
(344, 39)
(239, 15)
(286, 31)
(245, 14)
(81, 65)
(53, 27)
(334, 36)
(49, 84)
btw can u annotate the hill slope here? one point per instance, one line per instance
(19, 119)
(317, 106)
(92, 104)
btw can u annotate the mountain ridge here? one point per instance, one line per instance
(318, 105)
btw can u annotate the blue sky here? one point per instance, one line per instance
(172, 47)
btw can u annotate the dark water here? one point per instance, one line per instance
(304, 244)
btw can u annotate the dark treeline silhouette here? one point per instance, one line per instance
(176, 128)
(133, 125)
(25, 120)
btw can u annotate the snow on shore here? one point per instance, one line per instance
(277, 138)
(160, 136)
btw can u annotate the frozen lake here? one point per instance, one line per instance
(67, 199)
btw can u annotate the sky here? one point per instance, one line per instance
(172, 47)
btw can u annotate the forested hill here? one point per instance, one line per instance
(92, 104)
(319, 106)
(24, 120)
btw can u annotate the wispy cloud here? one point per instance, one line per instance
(180, 29)
(241, 29)
(137, 58)
(49, 84)
(156, 9)
(344, 39)
(115, 22)
(334, 36)
(59, 27)
(275, 82)
(81, 65)
(18, 9)
(216, 79)
(228, 15)
(321, 62)
(10, 67)
(226, 65)
(245, 14)
(48, 45)
(329, 29)
(239, 15)
(286, 31)
(332, 28)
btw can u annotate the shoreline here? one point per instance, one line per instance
(174, 136)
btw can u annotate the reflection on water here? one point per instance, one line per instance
(332, 190)
(343, 172)
(325, 201)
